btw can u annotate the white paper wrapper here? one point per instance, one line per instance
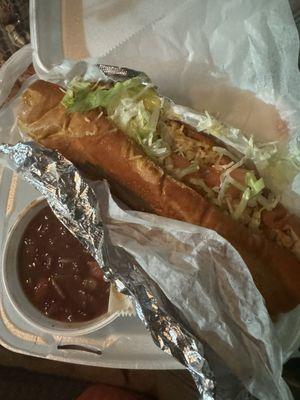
(209, 283)
(253, 45)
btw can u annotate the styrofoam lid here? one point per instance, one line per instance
(72, 29)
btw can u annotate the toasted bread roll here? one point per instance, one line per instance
(97, 146)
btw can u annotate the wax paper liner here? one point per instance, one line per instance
(205, 279)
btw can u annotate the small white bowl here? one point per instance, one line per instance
(19, 300)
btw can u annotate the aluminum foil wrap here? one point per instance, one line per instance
(75, 203)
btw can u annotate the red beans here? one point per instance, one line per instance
(57, 274)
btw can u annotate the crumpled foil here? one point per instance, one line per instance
(75, 203)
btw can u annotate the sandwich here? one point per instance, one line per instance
(124, 132)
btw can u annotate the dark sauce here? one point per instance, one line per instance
(57, 274)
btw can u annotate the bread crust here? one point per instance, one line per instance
(92, 141)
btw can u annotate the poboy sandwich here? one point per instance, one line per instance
(123, 132)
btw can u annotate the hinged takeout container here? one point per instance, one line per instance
(201, 59)
(123, 342)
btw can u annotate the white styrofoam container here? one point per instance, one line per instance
(123, 343)
(13, 289)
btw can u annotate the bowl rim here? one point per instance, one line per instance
(50, 326)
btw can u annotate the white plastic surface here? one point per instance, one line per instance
(13, 289)
(124, 343)
(216, 48)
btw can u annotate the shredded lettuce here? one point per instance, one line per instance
(236, 183)
(259, 153)
(226, 179)
(250, 194)
(281, 171)
(76, 94)
(133, 105)
(256, 218)
(242, 204)
(255, 185)
(268, 203)
(278, 162)
(202, 185)
(224, 152)
(182, 172)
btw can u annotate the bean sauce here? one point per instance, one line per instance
(57, 274)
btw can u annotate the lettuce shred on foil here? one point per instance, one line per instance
(136, 107)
